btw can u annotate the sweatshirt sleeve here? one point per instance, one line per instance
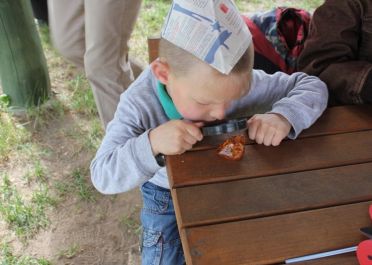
(300, 98)
(337, 50)
(124, 160)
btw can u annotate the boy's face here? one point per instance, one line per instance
(204, 94)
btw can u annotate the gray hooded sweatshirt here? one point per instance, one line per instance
(125, 160)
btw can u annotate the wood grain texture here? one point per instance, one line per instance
(259, 197)
(274, 239)
(341, 119)
(334, 120)
(194, 168)
(153, 48)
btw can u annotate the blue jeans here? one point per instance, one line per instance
(161, 243)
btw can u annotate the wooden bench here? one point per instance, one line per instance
(303, 197)
(153, 48)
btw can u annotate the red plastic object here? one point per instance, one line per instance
(364, 252)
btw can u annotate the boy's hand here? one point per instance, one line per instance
(174, 137)
(268, 129)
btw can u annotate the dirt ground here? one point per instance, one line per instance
(95, 228)
(96, 231)
(102, 232)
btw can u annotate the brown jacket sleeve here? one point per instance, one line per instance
(339, 49)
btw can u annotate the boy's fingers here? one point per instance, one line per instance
(252, 130)
(189, 139)
(194, 131)
(269, 136)
(260, 135)
(277, 139)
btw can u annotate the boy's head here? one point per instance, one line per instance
(205, 57)
(199, 91)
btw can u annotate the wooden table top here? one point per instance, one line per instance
(303, 197)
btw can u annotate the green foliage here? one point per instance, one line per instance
(25, 218)
(40, 115)
(7, 258)
(84, 189)
(12, 136)
(90, 137)
(45, 36)
(82, 99)
(130, 222)
(78, 185)
(149, 23)
(4, 100)
(94, 135)
(70, 252)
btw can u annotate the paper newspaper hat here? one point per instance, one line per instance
(212, 30)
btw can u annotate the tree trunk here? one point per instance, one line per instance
(23, 70)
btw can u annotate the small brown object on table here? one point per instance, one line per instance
(303, 197)
(232, 148)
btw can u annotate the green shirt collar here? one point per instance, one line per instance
(167, 103)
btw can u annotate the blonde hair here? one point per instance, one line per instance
(181, 61)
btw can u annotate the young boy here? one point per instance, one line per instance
(163, 110)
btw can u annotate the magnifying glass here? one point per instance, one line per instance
(229, 126)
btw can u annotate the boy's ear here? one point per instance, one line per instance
(161, 71)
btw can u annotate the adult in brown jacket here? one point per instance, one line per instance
(339, 50)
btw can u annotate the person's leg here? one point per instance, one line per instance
(161, 243)
(108, 25)
(66, 21)
(40, 10)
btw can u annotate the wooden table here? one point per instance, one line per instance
(305, 196)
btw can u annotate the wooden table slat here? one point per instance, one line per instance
(354, 118)
(252, 198)
(274, 239)
(258, 160)
(341, 119)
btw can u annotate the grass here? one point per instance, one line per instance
(36, 174)
(252, 6)
(88, 137)
(84, 190)
(148, 25)
(25, 218)
(39, 116)
(70, 251)
(39, 171)
(12, 135)
(82, 100)
(78, 186)
(8, 258)
(130, 223)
